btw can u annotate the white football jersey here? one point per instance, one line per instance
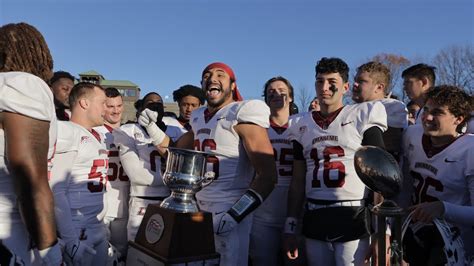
(174, 128)
(232, 167)
(329, 150)
(86, 183)
(118, 185)
(273, 209)
(397, 113)
(28, 95)
(135, 138)
(442, 176)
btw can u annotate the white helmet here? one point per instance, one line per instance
(449, 235)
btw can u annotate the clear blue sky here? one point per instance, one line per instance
(161, 45)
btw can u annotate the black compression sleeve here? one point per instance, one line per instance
(297, 150)
(373, 137)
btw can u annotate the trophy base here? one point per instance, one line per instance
(180, 202)
(174, 236)
(138, 255)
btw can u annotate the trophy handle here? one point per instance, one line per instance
(208, 178)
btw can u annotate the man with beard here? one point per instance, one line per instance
(61, 84)
(245, 169)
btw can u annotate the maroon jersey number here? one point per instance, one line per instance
(328, 152)
(421, 189)
(93, 188)
(209, 145)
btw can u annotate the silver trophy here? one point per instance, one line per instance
(185, 175)
(380, 172)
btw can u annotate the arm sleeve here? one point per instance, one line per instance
(458, 213)
(373, 137)
(133, 166)
(59, 183)
(255, 112)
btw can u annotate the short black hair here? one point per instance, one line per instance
(189, 90)
(112, 92)
(59, 75)
(333, 65)
(420, 71)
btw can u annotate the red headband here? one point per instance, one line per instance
(235, 94)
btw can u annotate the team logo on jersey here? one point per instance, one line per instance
(346, 123)
(85, 139)
(141, 211)
(138, 135)
(449, 161)
(303, 129)
(195, 119)
(222, 117)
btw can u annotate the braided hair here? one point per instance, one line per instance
(23, 48)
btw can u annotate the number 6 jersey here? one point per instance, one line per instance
(329, 146)
(232, 168)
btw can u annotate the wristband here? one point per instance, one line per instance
(245, 205)
(290, 225)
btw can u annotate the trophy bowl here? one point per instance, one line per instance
(185, 175)
(378, 170)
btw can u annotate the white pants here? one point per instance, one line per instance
(95, 237)
(136, 211)
(15, 237)
(265, 244)
(234, 248)
(117, 233)
(334, 253)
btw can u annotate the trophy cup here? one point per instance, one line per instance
(380, 172)
(175, 231)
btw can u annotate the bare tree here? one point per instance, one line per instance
(303, 98)
(455, 65)
(396, 64)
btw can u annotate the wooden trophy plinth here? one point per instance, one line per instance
(172, 237)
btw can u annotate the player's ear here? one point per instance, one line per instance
(459, 120)
(346, 87)
(84, 103)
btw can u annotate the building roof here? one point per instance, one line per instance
(91, 73)
(118, 83)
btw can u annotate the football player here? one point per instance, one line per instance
(189, 98)
(269, 218)
(28, 133)
(79, 176)
(325, 141)
(440, 162)
(417, 79)
(118, 185)
(141, 160)
(61, 84)
(372, 83)
(244, 169)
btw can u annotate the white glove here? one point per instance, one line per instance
(76, 251)
(147, 119)
(51, 255)
(223, 223)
